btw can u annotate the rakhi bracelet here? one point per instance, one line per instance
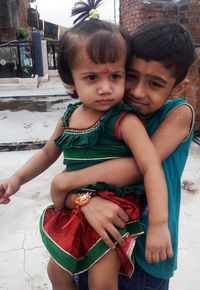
(82, 198)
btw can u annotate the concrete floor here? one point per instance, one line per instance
(23, 258)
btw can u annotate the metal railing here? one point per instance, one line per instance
(16, 59)
(52, 53)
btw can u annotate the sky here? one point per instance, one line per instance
(59, 11)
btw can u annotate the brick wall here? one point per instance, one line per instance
(193, 92)
(23, 13)
(187, 12)
(13, 14)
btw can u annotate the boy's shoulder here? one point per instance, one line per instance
(173, 110)
(179, 115)
(177, 106)
(172, 104)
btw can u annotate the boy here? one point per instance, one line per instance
(162, 54)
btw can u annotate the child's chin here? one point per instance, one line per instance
(127, 101)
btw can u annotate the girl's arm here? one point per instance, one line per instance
(158, 244)
(38, 163)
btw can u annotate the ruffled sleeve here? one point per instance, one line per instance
(70, 109)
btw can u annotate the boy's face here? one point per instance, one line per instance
(148, 85)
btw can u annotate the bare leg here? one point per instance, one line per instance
(104, 274)
(60, 279)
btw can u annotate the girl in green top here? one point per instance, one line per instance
(92, 60)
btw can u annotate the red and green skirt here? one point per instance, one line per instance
(75, 245)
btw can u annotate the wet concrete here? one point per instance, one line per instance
(33, 104)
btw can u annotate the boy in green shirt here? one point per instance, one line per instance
(162, 54)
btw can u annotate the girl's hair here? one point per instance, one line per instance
(103, 41)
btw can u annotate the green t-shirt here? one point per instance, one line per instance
(173, 167)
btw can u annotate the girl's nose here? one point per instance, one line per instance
(105, 88)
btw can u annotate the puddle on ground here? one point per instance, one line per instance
(33, 104)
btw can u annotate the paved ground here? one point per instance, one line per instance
(53, 87)
(23, 258)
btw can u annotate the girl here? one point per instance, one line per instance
(91, 61)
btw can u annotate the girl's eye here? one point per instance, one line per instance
(91, 77)
(115, 77)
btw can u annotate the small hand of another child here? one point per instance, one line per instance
(158, 243)
(8, 187)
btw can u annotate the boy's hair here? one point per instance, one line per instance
(101, 40)
(167, 42)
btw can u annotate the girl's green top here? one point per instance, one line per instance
(98, 143)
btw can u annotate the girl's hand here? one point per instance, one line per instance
(8, 187)
(158, 243)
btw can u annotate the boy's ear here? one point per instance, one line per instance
(180, 88)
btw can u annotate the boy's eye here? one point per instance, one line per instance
(155, 84)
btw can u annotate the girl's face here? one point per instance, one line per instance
(99, 86)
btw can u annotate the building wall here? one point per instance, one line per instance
(23, 13)
(13, 13)
(186, 12)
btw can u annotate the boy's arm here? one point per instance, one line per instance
(38, 163)
(120, 172)
(173, 130)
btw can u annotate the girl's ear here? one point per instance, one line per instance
(180, 88)
(71, 91)
(70, 88)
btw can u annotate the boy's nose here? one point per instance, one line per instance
(138, 90)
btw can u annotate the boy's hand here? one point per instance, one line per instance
(8, 187)
(158, 243)
(104, 216)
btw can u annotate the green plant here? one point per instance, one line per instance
(21, 33)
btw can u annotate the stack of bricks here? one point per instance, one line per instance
(187, 12)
